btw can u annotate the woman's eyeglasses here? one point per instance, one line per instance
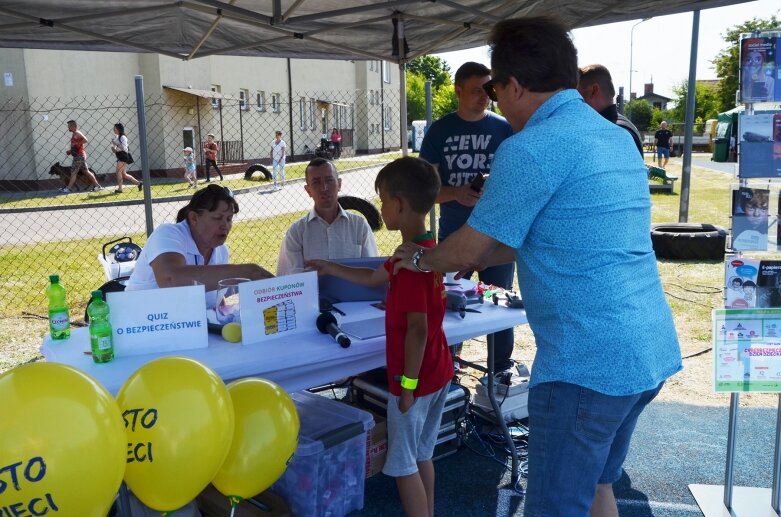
(489, 89)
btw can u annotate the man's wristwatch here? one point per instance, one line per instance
(416, 260)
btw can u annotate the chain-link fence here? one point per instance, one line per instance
(46, 231)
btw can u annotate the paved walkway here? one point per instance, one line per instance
(116, 221)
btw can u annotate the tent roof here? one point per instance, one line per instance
(325, 29)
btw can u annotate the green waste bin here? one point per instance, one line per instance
(721, 150)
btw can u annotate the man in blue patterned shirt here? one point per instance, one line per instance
(577, 226)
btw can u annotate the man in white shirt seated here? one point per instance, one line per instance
(327, 231)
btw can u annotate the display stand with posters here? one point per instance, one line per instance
(747, 332)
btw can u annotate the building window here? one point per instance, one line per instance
(302, 113)
(261, 101)
(386, 71)
(371, 97)
(216, 89)
(244, 99)
(371, 66)
(276, 105)
(386, 119)
(312, 111)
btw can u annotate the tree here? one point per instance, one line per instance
(433, 68)
(706, 102)
(640, 111)
(416, 98)
(727, 61)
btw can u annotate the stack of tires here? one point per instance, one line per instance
(688, 241)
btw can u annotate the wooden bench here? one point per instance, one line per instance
(659, 181)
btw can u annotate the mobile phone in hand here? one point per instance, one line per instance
(477, 182)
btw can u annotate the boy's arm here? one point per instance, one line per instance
(357, 275)
(414, 348)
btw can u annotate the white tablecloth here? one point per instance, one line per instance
(302, 361)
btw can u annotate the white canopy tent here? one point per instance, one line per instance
(323, 29)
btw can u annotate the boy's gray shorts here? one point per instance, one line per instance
(412, 435)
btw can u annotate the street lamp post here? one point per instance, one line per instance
(631, 70)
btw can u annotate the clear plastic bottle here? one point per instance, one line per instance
(59, 319)
(100, 329)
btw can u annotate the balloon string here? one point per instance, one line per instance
(233, 510)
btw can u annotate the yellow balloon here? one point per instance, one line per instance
(179, 421)
(265, 438)
(62, 443)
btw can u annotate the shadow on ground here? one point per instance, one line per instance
(674, 445)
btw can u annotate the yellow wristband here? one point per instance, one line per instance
(408, 384)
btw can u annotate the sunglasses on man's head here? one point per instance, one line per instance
(490, 90)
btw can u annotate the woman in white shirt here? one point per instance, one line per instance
(119, 146)
(193, 249)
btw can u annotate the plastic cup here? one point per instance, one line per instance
(227, 308)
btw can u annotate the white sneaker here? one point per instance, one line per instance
(97, 188)
(65, 190)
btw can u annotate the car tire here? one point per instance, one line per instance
(252, 169)
(365, 208)
(688, 241)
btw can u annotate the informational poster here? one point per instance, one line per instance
(760, 145)
(759, 66)
(747, 350)
(278, 307)
(750, 208)
(158, 320)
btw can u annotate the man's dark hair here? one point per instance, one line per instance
(470, 69)
(317, 162)
(411, 179)
(72, 122)
(597, 74)
(538, 52)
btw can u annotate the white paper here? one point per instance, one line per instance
(278, 307)
(158, 320)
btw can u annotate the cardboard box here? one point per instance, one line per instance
(213, 504)
(376, 446)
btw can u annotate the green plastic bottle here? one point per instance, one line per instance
(100, 329)
(59, 320)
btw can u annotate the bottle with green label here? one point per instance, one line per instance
(59, 320)
(100, 329)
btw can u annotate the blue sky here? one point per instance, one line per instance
(661, 46)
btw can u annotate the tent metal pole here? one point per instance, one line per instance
(775, 499)
(683, 212)
(732, 429)
(142, 142)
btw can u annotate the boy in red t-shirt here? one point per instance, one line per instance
(210, 149)
(419, 363)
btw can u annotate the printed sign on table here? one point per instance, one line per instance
(158, 320)
(278, 307)
(747, 350)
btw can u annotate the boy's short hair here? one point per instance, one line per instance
(277, 133)
(411, 179)
(317, 162)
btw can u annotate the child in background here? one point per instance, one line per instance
(419, 363)
(189, 167)
(210, 150)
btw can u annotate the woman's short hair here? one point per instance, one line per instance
(207, 200)
(120, 127)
